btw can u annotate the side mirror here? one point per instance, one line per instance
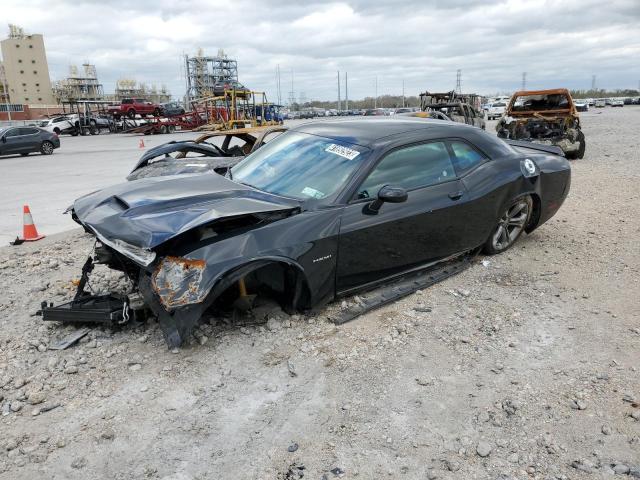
(388, 194)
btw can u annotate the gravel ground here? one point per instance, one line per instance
(523, 366)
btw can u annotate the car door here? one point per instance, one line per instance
(30, 139)
(12, 141)
(402, 236)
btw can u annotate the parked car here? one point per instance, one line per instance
(172, 108)
(581, 105)
(26, 140)
(617, 103)
(202, 156)
(496, 110)
(458, 108)
(374, 112)
(548, 117)
(393, 197)
(130, 107)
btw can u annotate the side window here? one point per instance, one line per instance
(409, 168)
(27, 131)
(465, 156)
(14, 132)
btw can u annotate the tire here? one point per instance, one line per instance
(156, 112)
(74, 132)
(131, 113)
(182, 112)
(163, 129)
(509, 226)
(172, 128)
(56, 131)
(93, 130)
(46, 148)
(580, 152)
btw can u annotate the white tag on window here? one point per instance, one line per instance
(345, 152)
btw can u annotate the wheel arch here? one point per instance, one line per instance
(298, 292)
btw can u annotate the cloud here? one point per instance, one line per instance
(423, 43)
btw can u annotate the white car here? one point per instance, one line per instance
(617, 103)
(58, 125)
(496, 110)
(600, 103)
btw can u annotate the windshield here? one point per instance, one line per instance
(526, 103)
(300, 165)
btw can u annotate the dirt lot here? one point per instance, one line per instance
(526, 365)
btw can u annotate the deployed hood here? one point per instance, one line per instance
(150, 211)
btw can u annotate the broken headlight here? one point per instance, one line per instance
(178, 281)
(138, 254)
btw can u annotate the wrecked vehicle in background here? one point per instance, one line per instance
(548, 117)
(452, 106)
(325, 210)
(200, 156)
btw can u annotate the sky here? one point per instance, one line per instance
(419, 42)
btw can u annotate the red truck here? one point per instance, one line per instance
(131, 107)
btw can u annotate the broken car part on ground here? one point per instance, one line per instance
(324, 210)
(548, 117)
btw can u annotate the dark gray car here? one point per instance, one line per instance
(172, 108)
(25, 140)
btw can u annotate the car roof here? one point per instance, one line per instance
(375, 130)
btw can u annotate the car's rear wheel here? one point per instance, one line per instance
(46, 148)
(131, 113)
(510, 226)
(156, 112)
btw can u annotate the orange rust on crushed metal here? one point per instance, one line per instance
(169, 299)
(187, 262)
(553, 91)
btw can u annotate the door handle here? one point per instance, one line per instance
(456, 195)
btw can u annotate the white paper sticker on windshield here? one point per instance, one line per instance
(312, 192)
(345, 152)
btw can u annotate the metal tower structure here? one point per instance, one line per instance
(459, 81)
(524, 81)
(593, 82)
(204, 72)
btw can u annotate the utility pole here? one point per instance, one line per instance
(346, 92)
(459, 81)
(403, 92)
(339, 103)
(524, 81)
(292, 93)
(375, 102)
(278, 84)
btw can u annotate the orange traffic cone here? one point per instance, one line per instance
(141, 145)
(29, 231)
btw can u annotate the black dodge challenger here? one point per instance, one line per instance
(324, 210)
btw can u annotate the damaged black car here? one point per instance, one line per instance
(325, 210)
